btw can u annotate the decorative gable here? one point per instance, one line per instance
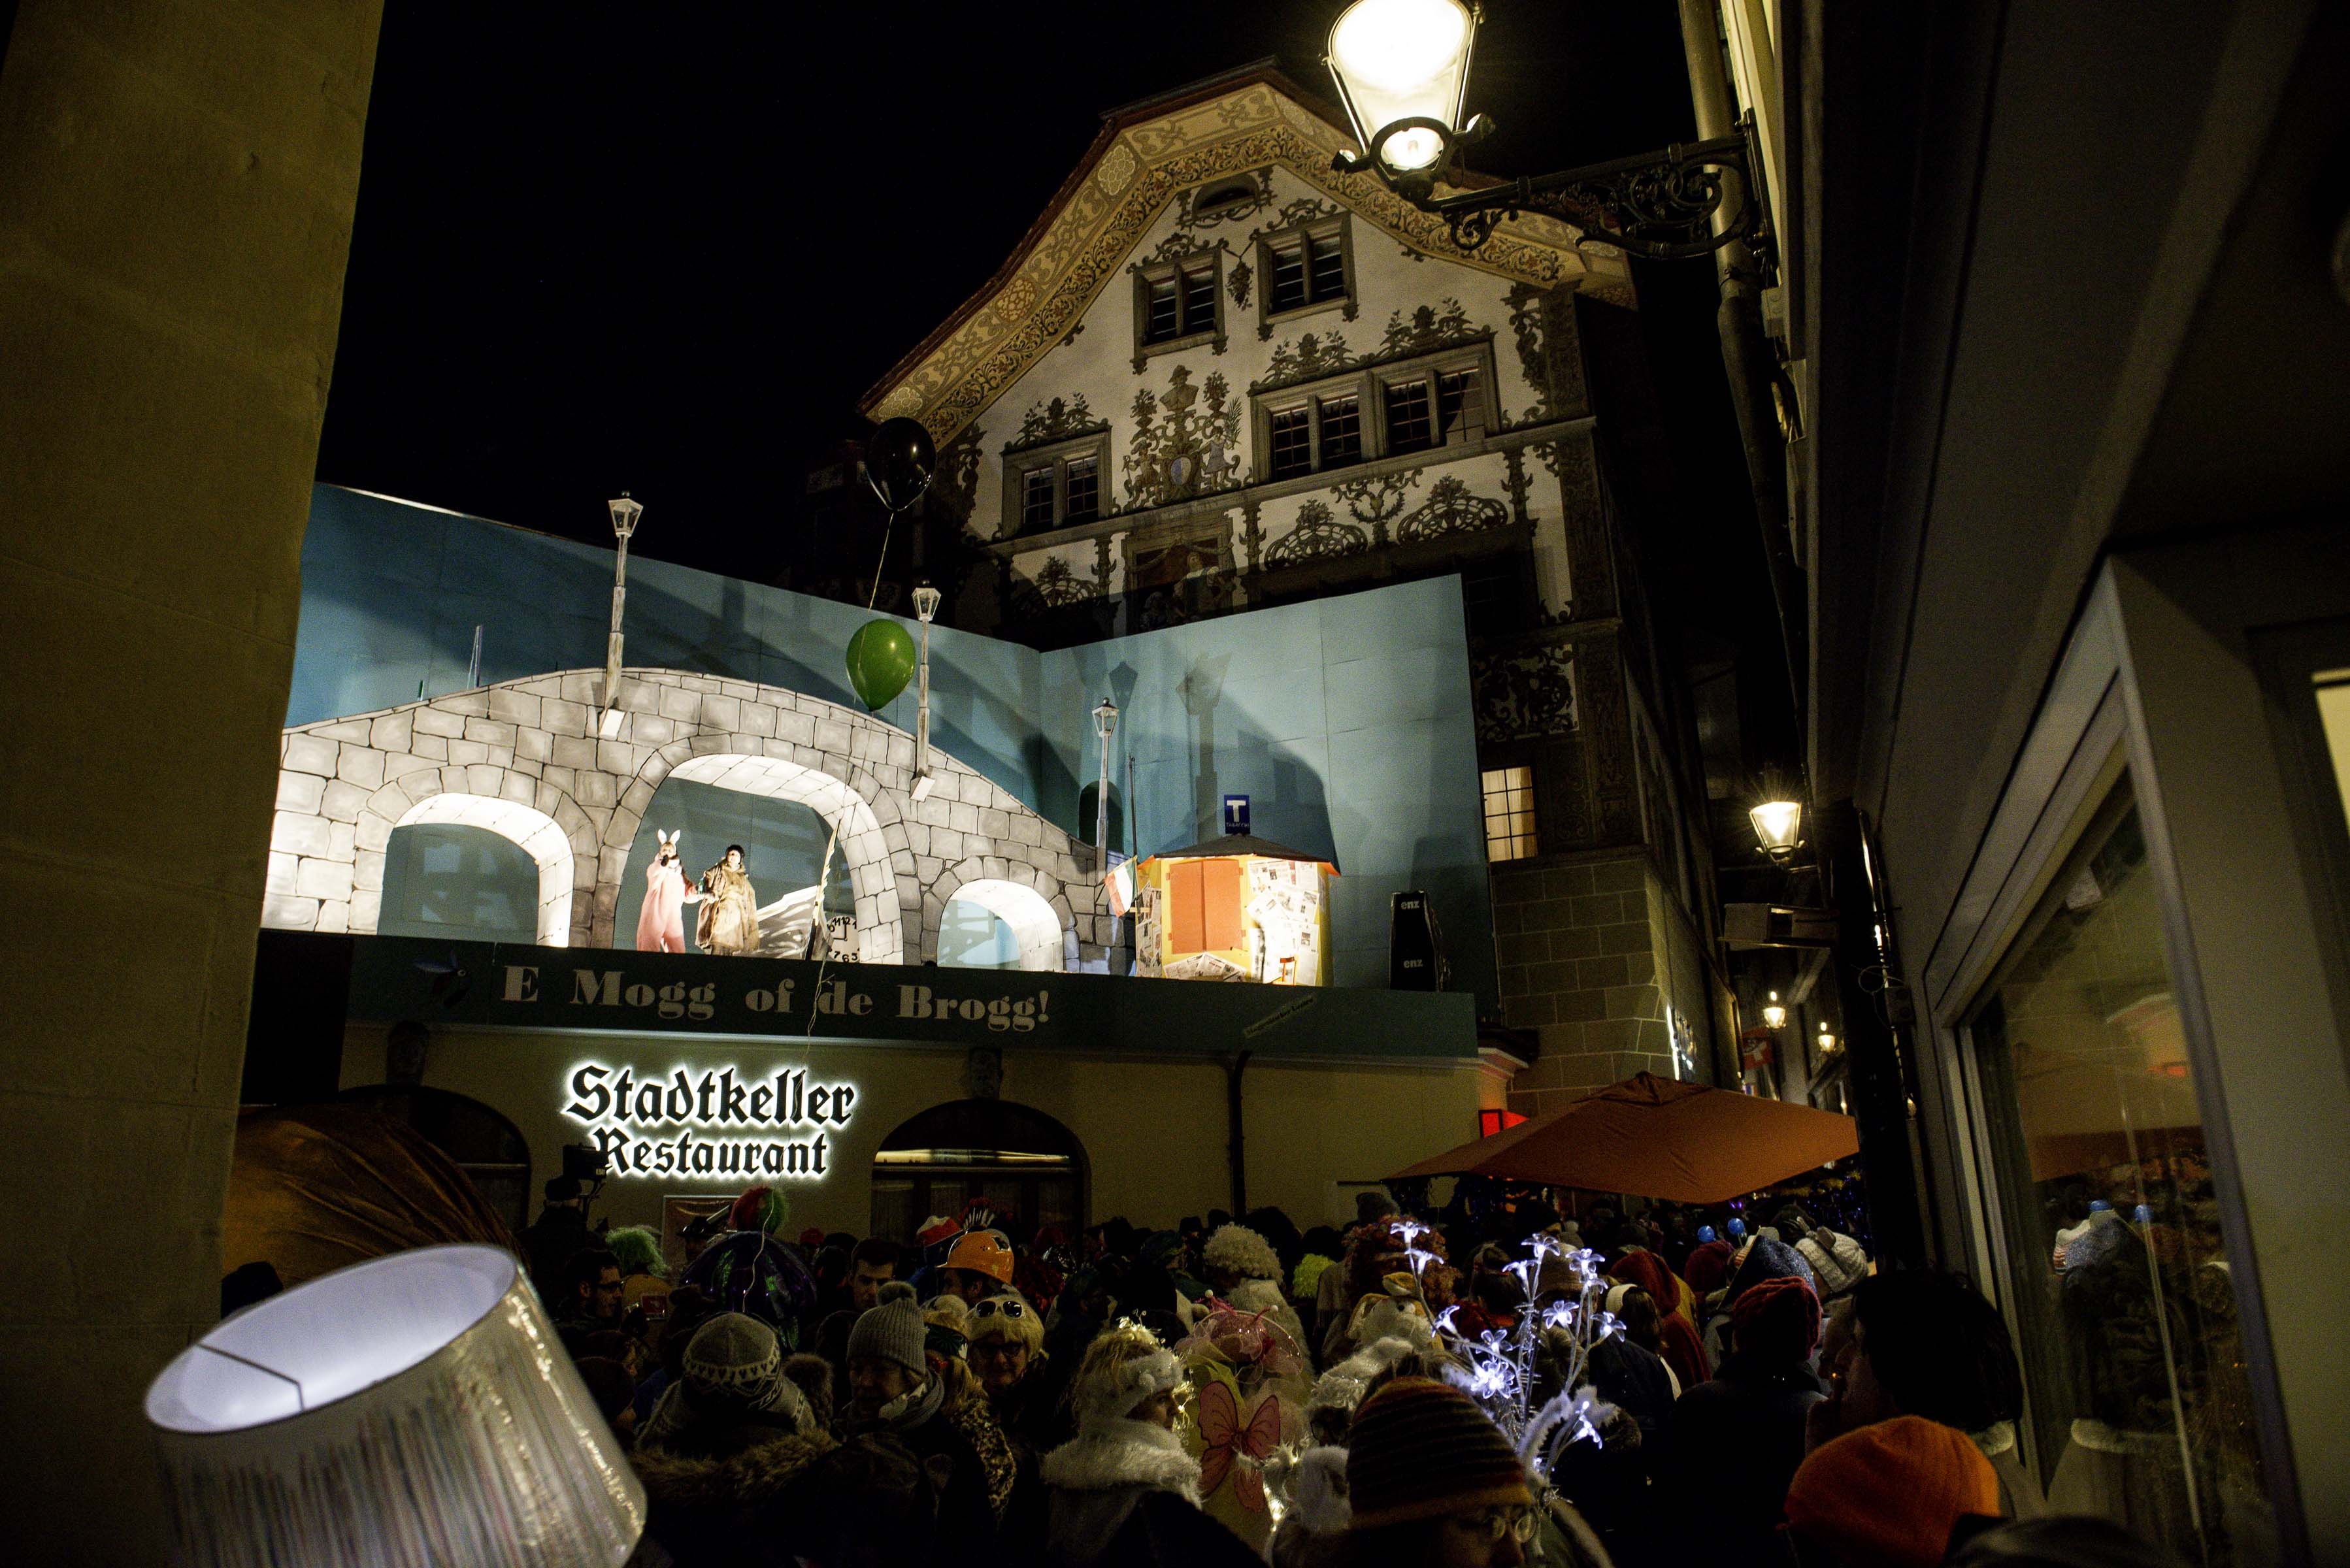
(1218, 147)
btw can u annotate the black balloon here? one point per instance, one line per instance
(899, 462)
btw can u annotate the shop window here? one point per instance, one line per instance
(1508, 814)
(2117, 1275)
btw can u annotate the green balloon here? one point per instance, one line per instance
(880, 662)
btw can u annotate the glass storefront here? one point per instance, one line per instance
(2116, 1276)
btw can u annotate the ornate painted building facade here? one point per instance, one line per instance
(1218, 376)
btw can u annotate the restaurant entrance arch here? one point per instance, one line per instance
(1026, 1165)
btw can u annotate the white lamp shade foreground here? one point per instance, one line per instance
(410, 1410)
(1403, 59)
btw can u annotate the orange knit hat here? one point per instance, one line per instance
(983, 1253)
(1889, 1494)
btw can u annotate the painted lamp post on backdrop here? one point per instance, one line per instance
(625, 514)
(926, 607)
(1105, 726)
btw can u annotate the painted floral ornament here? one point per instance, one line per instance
(880, 662)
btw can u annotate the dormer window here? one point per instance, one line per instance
(1215, 199)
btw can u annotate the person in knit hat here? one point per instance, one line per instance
(1429, 1480)
(1708, 1269)
(1738, 1439)
(1123, 1490)
(754, 1272)
(893, 1391)
(1926, 1343)
(737, 1471)
(1889, 1495)
(1764, 1259)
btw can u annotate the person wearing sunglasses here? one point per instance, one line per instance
(1433, 1482)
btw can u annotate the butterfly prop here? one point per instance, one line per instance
(1228, 1437)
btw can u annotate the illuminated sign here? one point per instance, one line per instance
(711, 1121)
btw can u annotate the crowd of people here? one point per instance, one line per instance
(1236, 1391)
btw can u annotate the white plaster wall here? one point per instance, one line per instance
(1095, 362)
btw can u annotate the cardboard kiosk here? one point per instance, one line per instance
(1237, 908)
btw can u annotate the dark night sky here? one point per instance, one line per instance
(605, 246)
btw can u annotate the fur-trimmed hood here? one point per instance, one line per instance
(1109, 1455)
(758, 1474)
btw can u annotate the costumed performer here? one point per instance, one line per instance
(730, 919)
(661, 924)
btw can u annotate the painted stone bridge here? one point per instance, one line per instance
(524, 759)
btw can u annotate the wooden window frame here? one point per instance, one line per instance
(1347, 302)
(1521, 820)
(1214, 335)
(1369, 387)
(1018, 465)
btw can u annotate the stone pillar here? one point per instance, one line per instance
(176, 190)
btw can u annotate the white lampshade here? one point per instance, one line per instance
(1403, 59)
(1778, 824)
(410, 1410)
(1773, 1015)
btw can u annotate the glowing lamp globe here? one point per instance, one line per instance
(409, 1410)
(1778, 825)
(1398, 60)
(1773, 1015)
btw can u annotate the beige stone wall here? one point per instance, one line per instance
(176, 190)
(1154, 1130)
(1585, 965)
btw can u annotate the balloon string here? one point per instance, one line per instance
(875, 597)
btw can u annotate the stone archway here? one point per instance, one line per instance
(344, 785)
(537, 834)
(880, 935)
(999, 886)
(1037, 928)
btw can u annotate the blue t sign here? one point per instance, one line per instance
(1236, 814)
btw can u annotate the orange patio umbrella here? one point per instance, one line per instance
(1653, 1137)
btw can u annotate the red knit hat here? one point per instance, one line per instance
(1841, 1498)
(1640, 1267)
(1776, 1320)
(1708, 1269)
(1423, 1450)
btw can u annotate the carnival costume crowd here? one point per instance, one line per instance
(1655, 1387)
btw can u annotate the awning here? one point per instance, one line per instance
(1652, 1138)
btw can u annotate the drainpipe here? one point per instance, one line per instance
(1236, 1146)
(1746, 353)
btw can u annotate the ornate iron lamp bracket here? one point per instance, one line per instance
(1659, 206)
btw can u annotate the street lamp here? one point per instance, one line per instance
(1773, 1015)
(625, 514)
(926, 606)
(1105, 726)
(1827, 1042)
(1402, 70)
(1778, 825)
